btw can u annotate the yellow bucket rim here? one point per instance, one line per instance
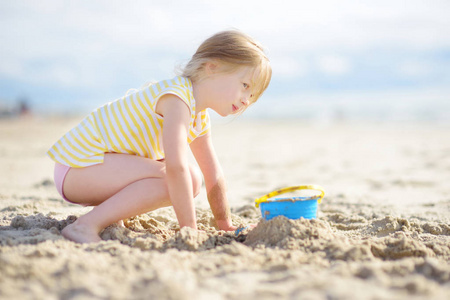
(291, 189)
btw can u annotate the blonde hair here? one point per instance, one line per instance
(233, 49)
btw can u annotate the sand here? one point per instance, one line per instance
(382, 232)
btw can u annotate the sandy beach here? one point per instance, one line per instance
(382, 232)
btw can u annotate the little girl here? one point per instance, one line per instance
(129, 156)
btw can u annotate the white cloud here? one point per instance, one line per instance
(60, 75)
(333, 65)
(415, 68)
(288, 67)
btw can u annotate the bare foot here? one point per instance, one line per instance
(80, 233)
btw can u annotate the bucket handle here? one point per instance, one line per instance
(291, 189)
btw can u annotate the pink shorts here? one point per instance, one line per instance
(59, 177)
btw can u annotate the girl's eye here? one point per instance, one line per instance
(246, 86)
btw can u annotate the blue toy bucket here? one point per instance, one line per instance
(292, 207)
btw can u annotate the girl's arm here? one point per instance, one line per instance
(176, 124)
(204, 153)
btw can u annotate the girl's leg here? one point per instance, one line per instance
(122, 187)
(138, 197)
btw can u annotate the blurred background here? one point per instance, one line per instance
(332, 60)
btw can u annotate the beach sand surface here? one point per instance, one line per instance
(382, 231)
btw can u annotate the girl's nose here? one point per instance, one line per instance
(245, 101)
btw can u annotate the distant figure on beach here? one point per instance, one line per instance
(130, 156)
(24, 108)
(19, 108)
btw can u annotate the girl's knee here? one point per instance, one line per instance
(197, 179)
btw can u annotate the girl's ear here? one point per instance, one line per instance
(211, 67)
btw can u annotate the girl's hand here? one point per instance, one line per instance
(229, 228)
(225, 225)
(234, 228)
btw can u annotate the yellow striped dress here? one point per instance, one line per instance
(127, 125)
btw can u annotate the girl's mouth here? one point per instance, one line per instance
(235, 109)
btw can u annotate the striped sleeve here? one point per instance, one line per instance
(206, 123)
(176, 86)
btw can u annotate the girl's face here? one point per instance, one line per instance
(230, 93)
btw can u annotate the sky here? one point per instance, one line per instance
(329, 58)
